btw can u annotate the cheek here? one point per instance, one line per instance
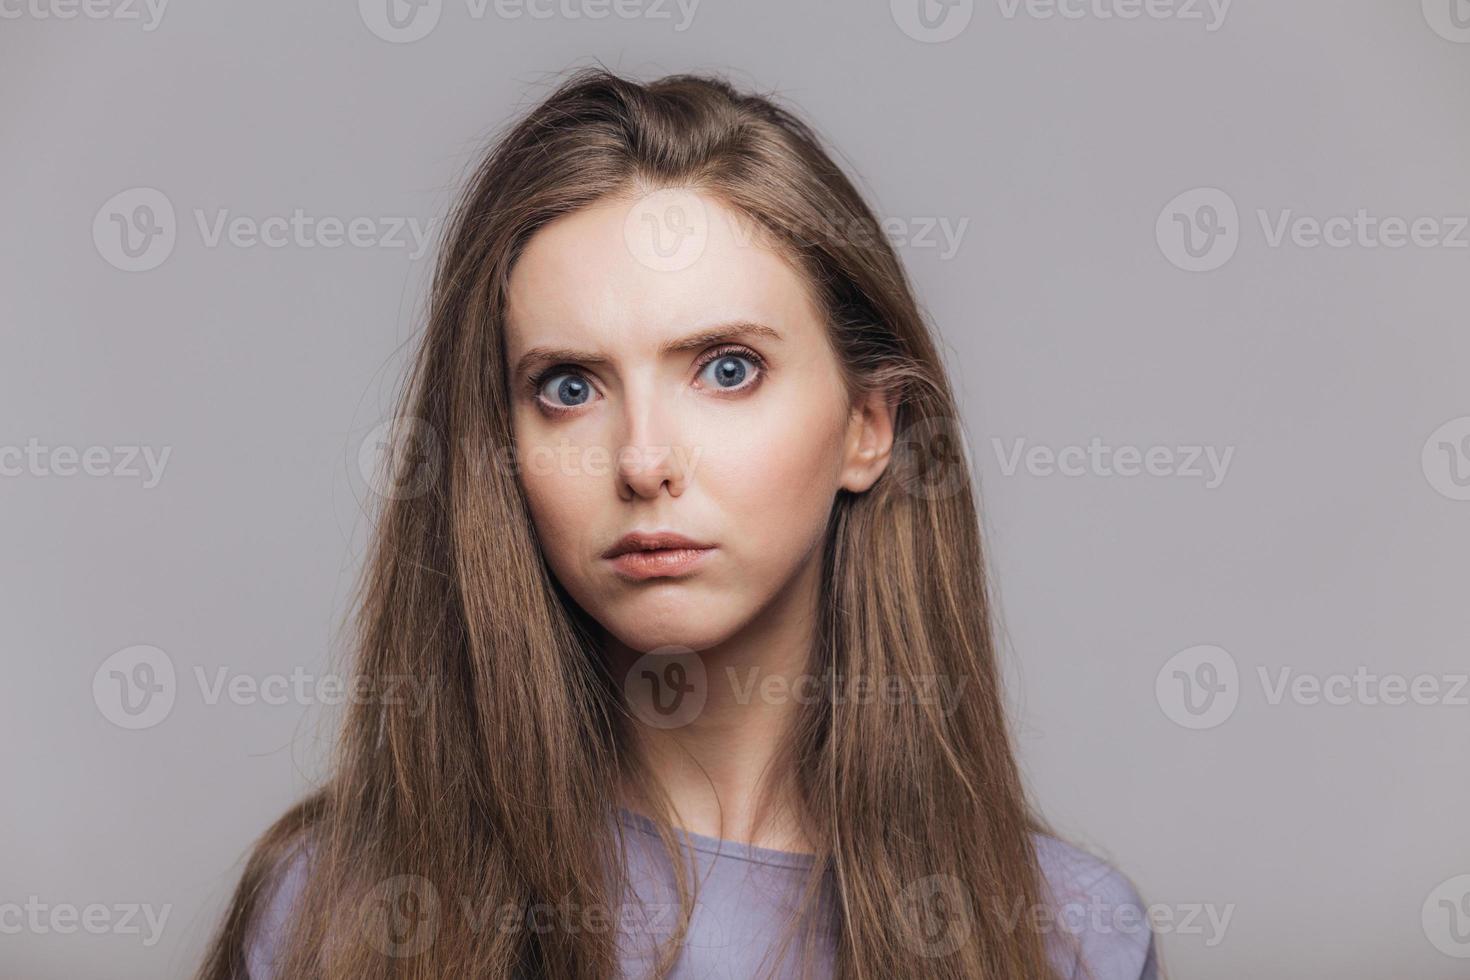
(562, 495)
(774, 478)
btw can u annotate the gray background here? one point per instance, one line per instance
(1329, 546)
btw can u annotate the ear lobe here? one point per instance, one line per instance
(869, 440)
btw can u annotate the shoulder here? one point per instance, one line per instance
(275, 914)
(1096, 914)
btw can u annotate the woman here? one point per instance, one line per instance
(692, 580)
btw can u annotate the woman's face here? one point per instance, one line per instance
(670, 374)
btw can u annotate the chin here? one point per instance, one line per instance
(687, 626)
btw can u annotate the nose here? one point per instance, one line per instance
(648, 460)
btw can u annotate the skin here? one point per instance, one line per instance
(660, 441)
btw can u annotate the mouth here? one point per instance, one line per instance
(658, 554)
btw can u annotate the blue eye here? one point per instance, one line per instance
(566, 390)
(727, 370)
(562, 388)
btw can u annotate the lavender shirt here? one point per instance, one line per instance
(747, 895)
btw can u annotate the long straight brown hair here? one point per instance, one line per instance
(499, 790)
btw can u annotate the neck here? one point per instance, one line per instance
(721, 769)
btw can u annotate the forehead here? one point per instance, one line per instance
(630, 274)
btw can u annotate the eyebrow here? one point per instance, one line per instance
(722, 334)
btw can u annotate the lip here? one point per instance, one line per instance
(656, 554)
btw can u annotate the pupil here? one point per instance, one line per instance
(572, 390)
(730, 369)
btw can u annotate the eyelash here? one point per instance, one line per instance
(538, 380)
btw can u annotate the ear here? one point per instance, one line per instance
(869, 440)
